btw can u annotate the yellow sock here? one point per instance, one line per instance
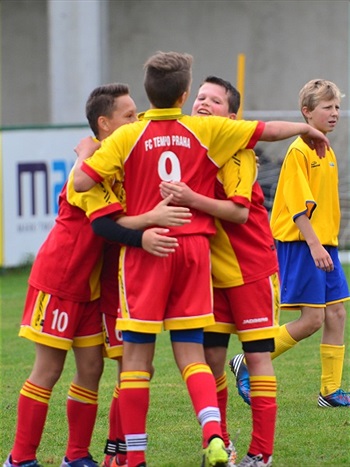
(283, 342)
(332, 360)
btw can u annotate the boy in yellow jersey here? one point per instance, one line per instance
(245, 276)
(167, 145)
(305, 221)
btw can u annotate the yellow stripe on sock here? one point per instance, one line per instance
(82, 394)
(221, 383)
(36, 392)
(194, 368)
(135, 379)
(263, 386)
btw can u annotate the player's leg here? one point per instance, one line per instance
(332, 352)
(216, 341)
(255, 309)
(189, 356)
(138, 352)
(215, 350)
(332, 347)
(33, 402)
(83, 392)
(113, 349)
(263, 389)
(40, 312)
(82, 401)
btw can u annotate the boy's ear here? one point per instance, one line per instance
(102, 123)
(182, 99)
(306, 112)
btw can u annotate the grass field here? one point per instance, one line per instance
(305, 436)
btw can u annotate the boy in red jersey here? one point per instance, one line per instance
(62, 309)
(305, 221)
(245, 275)
(166, 145)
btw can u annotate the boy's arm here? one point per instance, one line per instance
(153, 241)
(315, 139)
(222, 209)
(162, 215)
(318, 252)
(84, 149)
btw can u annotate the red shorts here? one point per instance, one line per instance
(59, 323)
(174, 291)
(113, 339)
(250, 310)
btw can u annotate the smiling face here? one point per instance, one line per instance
(212, 99)
(325, 115)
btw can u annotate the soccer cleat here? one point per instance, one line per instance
(255, 461)
(87, 461)
(232, 455)
(215, 455)
(114, 463)
(110, 451)
(30, 463)
(338, 398)
(107, 461)
(240, 370)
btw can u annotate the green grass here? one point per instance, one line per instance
(305, 435)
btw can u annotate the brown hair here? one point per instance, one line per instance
(167, 76)
(102, 102)
(233, 96)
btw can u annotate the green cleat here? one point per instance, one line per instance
(215, 455)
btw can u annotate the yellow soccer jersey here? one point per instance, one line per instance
(100, 200)
(166, 145)
(242, 253)
(307, 185)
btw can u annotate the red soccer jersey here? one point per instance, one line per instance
(109, 279)
(69, 262)
(172, 160)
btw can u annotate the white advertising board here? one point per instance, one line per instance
(35, 166)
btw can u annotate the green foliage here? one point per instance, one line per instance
(305, 435)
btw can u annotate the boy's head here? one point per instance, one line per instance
(168, 77)
(217, 96)
(315, 91)
(109, 107)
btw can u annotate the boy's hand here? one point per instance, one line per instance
(182, 194)
(322, 258)
(155, 241)
(316, 140)
(170, 216)
(86, 147)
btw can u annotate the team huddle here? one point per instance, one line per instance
(174, 199)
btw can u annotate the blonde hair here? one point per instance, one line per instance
(317, 90)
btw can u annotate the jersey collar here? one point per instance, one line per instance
(161, 114)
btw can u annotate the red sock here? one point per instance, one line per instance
(201, 387)
(81, 413)
(33, 404)
(113, 415)
(222, 395)
(133, 406)
(115, 427)
(264, 411)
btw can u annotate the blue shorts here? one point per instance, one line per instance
(303, 284)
